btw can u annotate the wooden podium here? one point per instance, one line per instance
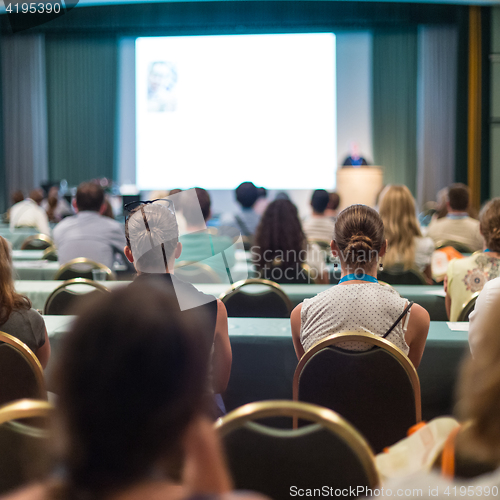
(358, 185)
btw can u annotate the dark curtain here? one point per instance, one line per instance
(395, 105)
(81, 106)
(4, 201)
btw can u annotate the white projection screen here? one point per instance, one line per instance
(214, 111)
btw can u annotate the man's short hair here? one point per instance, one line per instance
(89, 197)
(247, 194)
(319, 200)
(334, 201)
(191, 213)
(458, 197)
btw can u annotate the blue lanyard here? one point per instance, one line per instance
(487, 250)
(360, 277)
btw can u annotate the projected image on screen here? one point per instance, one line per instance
(214, 111)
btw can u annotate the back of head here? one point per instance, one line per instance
(247, 194)
(319, 200)
(333, 201)
(89, 197)
(36, 195)
(279, 233)
(359, 234)
(398, 212)
(489, 220)
(131, 377)
(192, 213)
(152, 234)
(458, 197)
(17, 196)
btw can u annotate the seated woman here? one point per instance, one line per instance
(405, 244)
(467, 276)
(17, 318)
(359, 302)
(280, 247)
(131, 380)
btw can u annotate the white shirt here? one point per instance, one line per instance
(486, 315)
(319, 228)
(29, 214)
(91, 235)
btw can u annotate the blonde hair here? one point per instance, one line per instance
(398, 213)
(489, 221)
(9, 298)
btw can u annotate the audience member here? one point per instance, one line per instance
(152, 246)
(332, 209)
(246, 219)
(281, 247)
(199, 245)
(88, 233)
(17, 318)
(442, 204)
(405, 244)
(262, 201)
(359, 302)
(131, 382)
(16, 197)
(56, 207)
(29, 213)
(467, 276)
(457, 226)
(319, 226)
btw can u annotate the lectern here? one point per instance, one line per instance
(358, 185)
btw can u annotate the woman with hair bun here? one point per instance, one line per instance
(467, 276)
(359, 302)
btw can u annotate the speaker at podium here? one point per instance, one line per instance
(359, 185)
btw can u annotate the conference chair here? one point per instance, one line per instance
(21, 374)
(24, 441)
(286, 274)
(67, 296)
(82, 268)
(195, 272)
(459, 247)
(50, 253)
(37, 242)
(467, 308)
(397, 275)
(256, 298)
(376, 390)
(281, 463)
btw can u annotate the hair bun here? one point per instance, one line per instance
(359, 246)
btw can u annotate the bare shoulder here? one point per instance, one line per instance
(35, 492)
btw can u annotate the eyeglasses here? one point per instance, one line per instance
(169, 204)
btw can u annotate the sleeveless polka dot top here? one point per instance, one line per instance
(361, 307)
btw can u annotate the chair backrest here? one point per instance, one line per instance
(286, 274)
(195, 272)
(273, 461)
(50, 253)
(82, 268)
(377, 390)
(467, 308)
(24, 441)
(397, 275)
(67, 295)
(459, 247)
(256, 298)
(21, 375)
(37, 242)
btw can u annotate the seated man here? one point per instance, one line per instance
(245, 220)
(88, 233)
(199, 245)
(319, 226)
(457, 225)
(152, 246)
(29, 213)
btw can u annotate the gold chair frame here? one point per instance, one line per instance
(74, 281)
(82, 260)
(49, 251)
(30, 357)
(40, 236)
(25, 408)
(274, 287)
(370, 339)
(468, 307)
(200, 266)
(306, 411)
